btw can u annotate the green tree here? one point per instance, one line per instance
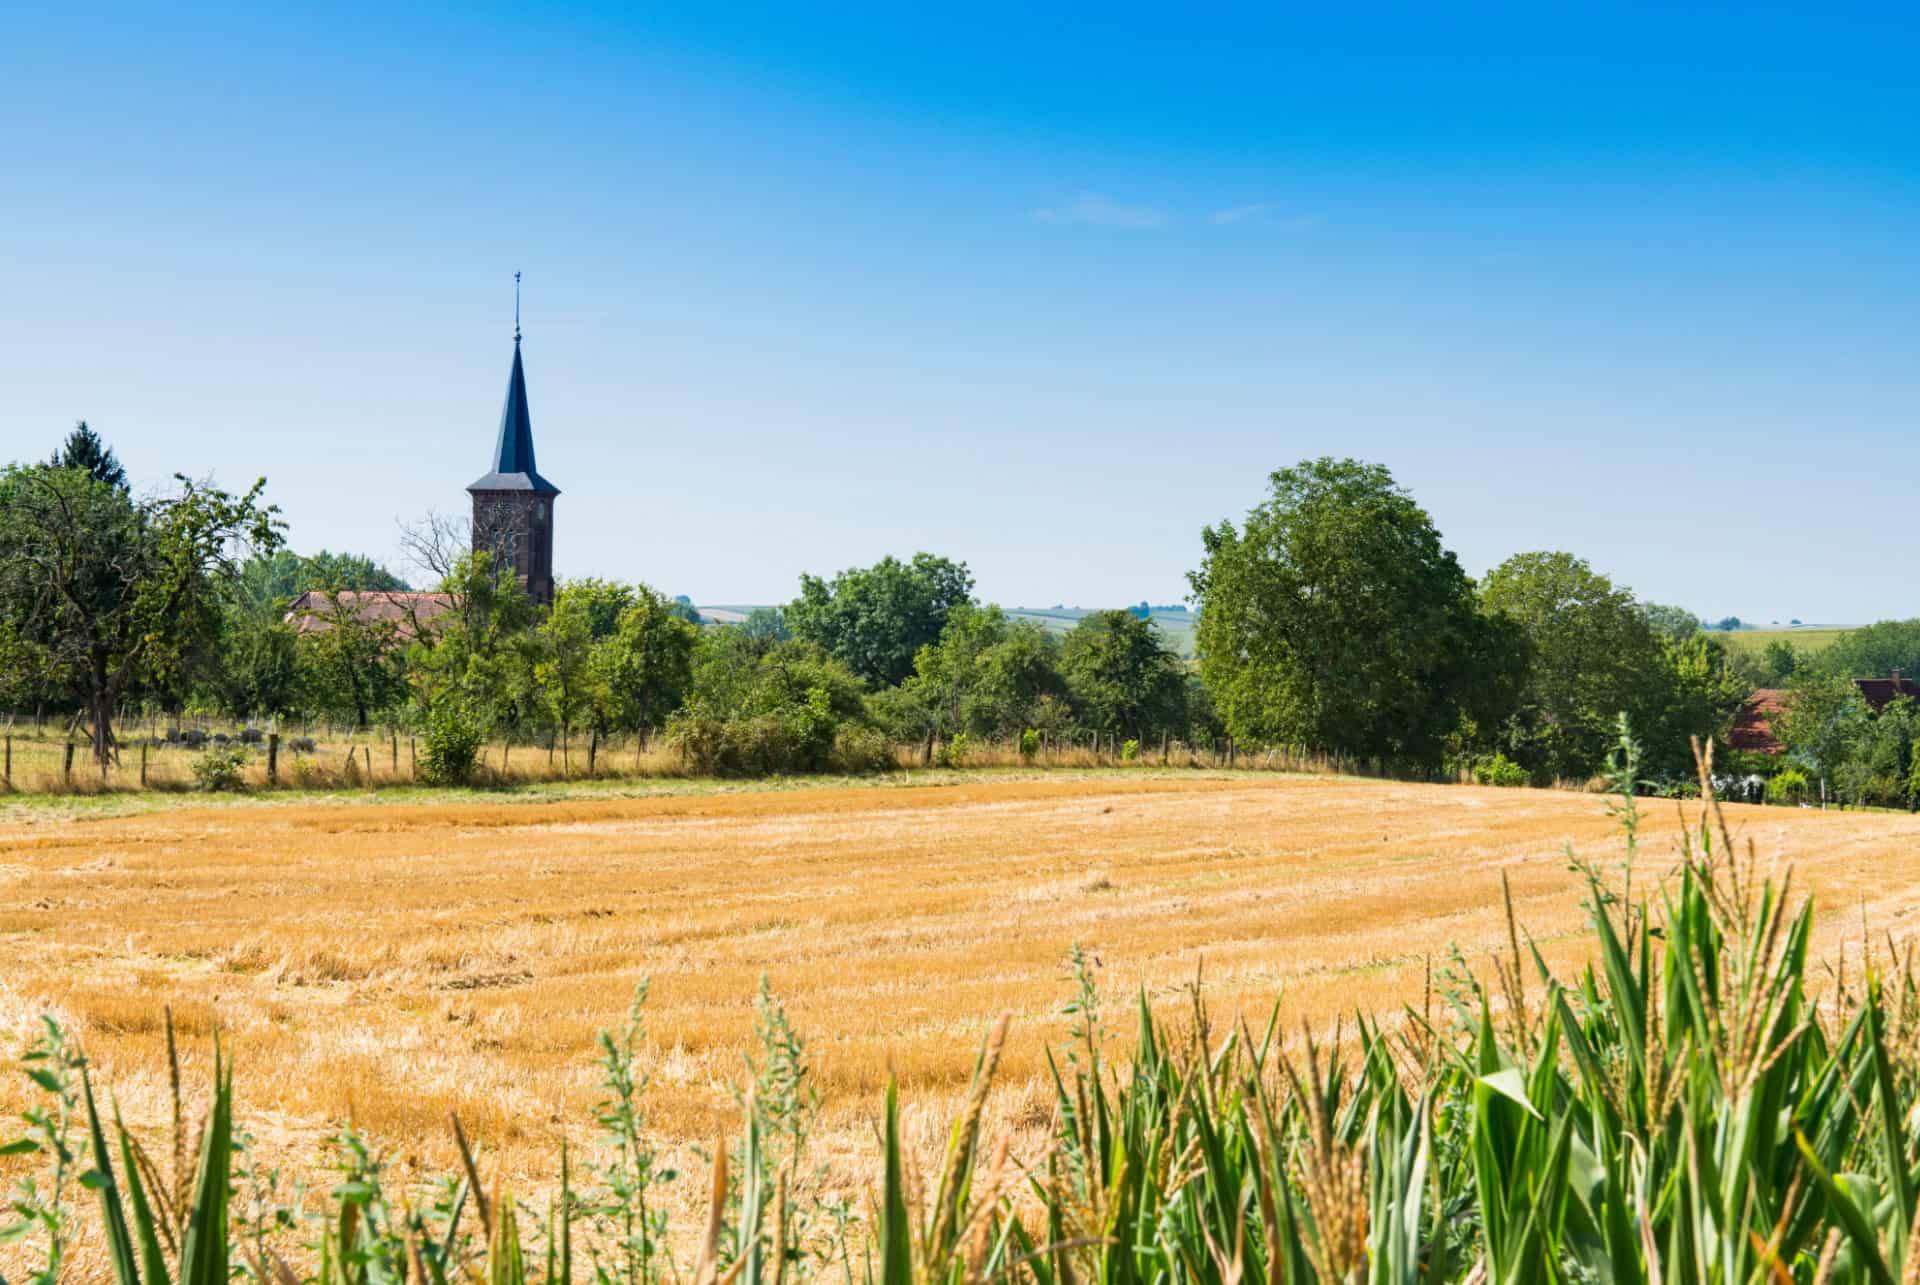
(564, 671)
(603, 601)
(1676, 623)
(478, 659)
(283, 574)
(84, 450)
(1693, 693)
(1879, 771)
(1594, 657)
(766, 626)
(1773, 666)
(1122, 677)
(351, 660)
(875, 619)
(102, 594)
(1334, 619)
(985, 676)
(1873, 651)
(1823, 720)
(783, 710)
(646, 667)
(254, 668)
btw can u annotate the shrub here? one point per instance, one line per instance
(803, 736)
(1129, 751)
(862, 749)
(453, 740)
(1789, 785)
(1500, 770)
(954, 753)
(1029, 745)
(219, 768)
(1860, 785)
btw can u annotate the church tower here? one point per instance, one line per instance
(513, 504)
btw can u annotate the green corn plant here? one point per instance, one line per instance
(133, 1243)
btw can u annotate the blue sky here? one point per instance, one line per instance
(1046, 288)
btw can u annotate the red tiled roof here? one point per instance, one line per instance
(1752, 722)
(308, 612)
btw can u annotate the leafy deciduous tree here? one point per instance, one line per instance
(103, 594)
(351, 659)
(875, 619)
(1594, 657)
(1122, 677)
(646, 666)
(1333, 618)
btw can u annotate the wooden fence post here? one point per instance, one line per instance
(273, 758)
(9, 764)
(367, 753)
(413, 758)
(143, 765)
(394, 732)
(66, 764)
(349, 771)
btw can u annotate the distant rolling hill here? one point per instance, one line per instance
(1805, 638)
(1175, 626)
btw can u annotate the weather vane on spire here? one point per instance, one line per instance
(516, 307)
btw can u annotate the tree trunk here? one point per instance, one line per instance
(102, 710)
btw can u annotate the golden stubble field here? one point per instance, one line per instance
(398, 962)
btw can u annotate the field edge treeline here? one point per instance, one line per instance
(1332, 626)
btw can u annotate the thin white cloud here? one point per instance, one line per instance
(1095, 209)
(1240, 213)
(1262, 212)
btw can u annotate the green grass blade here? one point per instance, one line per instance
(112, 1213)
(203, 1255)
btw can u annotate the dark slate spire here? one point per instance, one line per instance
(513, 468)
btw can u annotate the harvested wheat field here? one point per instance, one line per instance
(398, 962)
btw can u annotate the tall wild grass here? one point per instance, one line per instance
(1689, 1107)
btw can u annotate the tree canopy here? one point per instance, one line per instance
(874, 620)
(101, 595)
(84, 450)
(283, 574)
(1596, 654)
(1333, 618)
(1123, 678)
(1873, 651)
